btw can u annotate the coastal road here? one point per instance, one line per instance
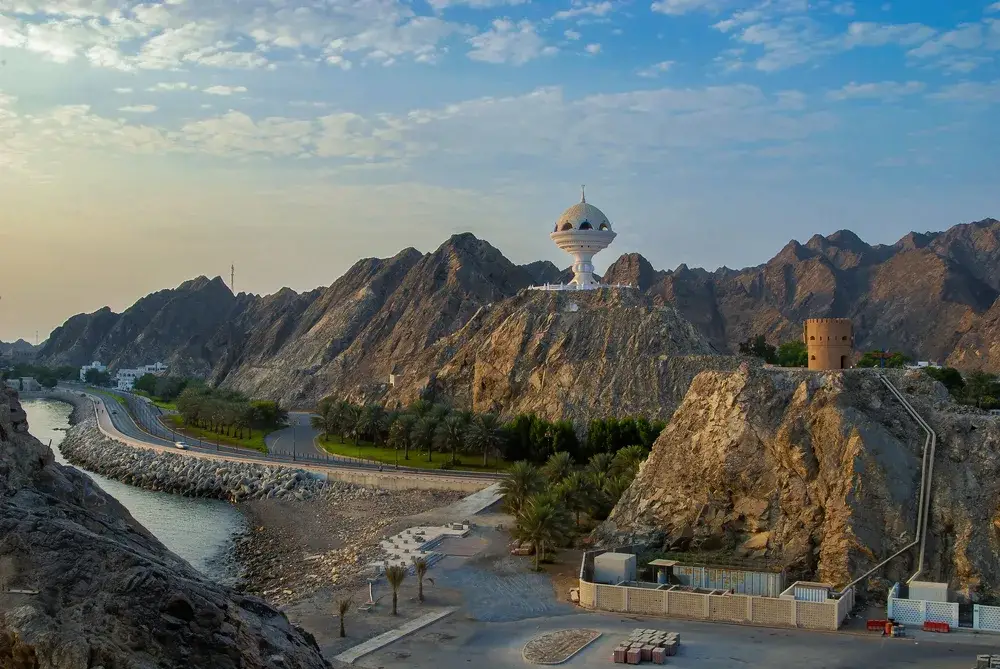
(296, 439)
(116, 423)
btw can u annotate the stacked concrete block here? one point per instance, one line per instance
(659, 655)
(633, 656)
(995, 662)
(646, 652)
(621, 651)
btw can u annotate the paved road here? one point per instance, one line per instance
(119, 423)
(294, 440)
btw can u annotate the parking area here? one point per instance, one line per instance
(459, 641)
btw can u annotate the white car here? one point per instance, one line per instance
(181, 445)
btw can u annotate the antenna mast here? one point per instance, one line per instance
(232, 278)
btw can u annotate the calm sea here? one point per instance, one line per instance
(198, 530)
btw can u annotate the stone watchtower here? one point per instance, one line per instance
(829, 342)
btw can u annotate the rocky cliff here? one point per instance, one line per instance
(819, 473)
(109, 594)
(563, 355)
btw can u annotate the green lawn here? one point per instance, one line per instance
(256, 442)
(166, 406)
(389, 456)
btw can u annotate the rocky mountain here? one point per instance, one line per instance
(922, 295)
(19, 346)
(819, 473)
(108, 593)
(929, 295)
(563, 355)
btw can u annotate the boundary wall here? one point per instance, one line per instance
(916, 612)
(672, 601)
(986, 618)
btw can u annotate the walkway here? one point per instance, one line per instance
(382, 640)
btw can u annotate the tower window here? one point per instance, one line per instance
(812, 338)
(586, 226)
(567, 226)
(604, 226)
(812, 358)
(843, 338)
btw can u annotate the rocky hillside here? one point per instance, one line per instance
(108, 592)
(819, 473)
(563, 355)
(927, 294)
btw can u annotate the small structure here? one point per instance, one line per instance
(582, 231)
(928, 591)
(94, 365)
(829, 342)
(807, 591)
(614, 568)
(125, 378)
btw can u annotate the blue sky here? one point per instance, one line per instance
(162, 140)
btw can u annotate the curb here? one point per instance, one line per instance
(354, 653)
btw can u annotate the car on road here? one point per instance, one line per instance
(181, 445)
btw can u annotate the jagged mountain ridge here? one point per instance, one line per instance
(929, 295)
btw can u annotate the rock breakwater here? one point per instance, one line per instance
(160, 471)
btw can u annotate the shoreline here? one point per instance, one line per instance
(316, 535)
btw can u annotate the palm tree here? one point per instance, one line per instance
(544, 521)
(368, 420)
(383, 421)
(343, 607)
(628, 460)
(422, 435)
(420, 566)
(521, 482)
(576, 491)
(400, 434)
(615, 487)
(347, 420)
(395, 575)
(451, 435)
(325, 419)
(485, 434)
(600, 463)
(558, 466)
(420, 408)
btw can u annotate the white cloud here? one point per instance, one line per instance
(167, 86)
(880, 34)
(966, 36)
(174, 34)
(572, 35)
(677, 7)
(844, 9)
(224, 90)
(994, 8)
(593, 49)
(971, 91)
(138, 109)
(123, 90)
(882, 90)
(551, 129)
(585, 9)
(509, 42)
(474, 4)
(656, 69)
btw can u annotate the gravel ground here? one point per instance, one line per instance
(294, 548)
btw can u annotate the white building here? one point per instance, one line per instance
(125, 378)
(582, 231)
(94, 365)
(923, 364)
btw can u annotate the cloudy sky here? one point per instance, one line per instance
(145, 143)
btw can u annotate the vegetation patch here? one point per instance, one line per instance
(557, 647)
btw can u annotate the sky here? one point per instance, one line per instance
(142, 144)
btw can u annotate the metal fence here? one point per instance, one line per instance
(768, 584)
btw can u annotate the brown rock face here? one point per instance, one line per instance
(109, 593)
(564, 355)
(819, 473)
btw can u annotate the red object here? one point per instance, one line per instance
(633, 656)
(888, 628)
(876, 625)
(620, 655)
(936, 627)
(659, 656)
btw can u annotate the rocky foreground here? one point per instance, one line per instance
(162, 471)
(102, 592)
(820, 473)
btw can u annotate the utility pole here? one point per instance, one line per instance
(232, 278)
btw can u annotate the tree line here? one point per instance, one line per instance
(980, 389)
(47, 377)
(425, 428)
(548, 502)
(228, 412)
(164, 388)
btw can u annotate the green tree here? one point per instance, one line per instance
(485, 435)
(557, 467)
(401, 434)
(628, 460)
(395, 575)
(343, 608)
(97, 378)
(979, 386)
(793, 354)
(949, 377)
(423, 433)
(521, 482)
(601, 463)
(420, 568)
(146, 383)
(450, 435)
(544, 521)
(325, 419)
(759, 348)
(894, 361)
(576, 491)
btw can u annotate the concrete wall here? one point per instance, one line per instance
(747, 609)
(830, 342)
(767, 584)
